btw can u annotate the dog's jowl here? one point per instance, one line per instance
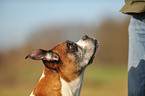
(64, 67)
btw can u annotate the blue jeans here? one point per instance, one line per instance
(136, 60)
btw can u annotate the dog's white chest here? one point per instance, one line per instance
(72, 88)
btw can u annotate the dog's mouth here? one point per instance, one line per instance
(88, 49)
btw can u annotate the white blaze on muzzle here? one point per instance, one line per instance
(88, 49)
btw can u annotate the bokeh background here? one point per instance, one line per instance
(33, 24)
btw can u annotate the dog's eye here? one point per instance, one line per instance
(72, 47)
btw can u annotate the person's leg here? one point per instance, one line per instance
(136, 60)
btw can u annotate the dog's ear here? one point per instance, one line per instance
(40, 54)
(37, 54)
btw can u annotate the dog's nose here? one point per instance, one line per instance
(85, 37)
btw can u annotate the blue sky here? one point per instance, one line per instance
(18, 17)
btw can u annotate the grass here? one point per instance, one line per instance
(105, 81)
(99, 80)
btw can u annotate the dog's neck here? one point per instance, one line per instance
(72, 88)
(51, 79)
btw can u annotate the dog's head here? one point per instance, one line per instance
(68, 58)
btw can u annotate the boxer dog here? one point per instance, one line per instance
(64, 67)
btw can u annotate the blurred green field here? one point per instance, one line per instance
(99, 80)
(105, 81)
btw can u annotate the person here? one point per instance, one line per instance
(136, 58)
